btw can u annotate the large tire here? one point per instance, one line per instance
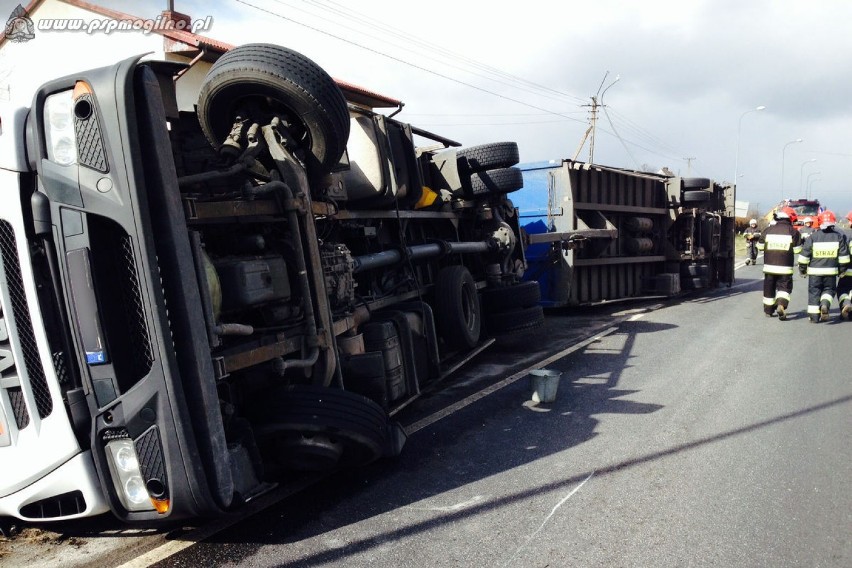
(497, 181)
(696, 183)
(697, 196)
(514, 321)
(274, 81)
(523, 295)
(489, 156)
(312, 428)
(458, 314)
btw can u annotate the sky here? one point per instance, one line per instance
(690, 76)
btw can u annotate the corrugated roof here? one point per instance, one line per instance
(353, 93)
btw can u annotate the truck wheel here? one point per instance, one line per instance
(313, 428)
(523, 295)
(697, 196)
(457, 311)
(696, 183)
(489, 156)
(497, 181)
(693, 283)
(699, 270)
(268, 80)
(514, 321)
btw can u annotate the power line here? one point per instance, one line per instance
(434, 47)
(399, 60)
(342, 11)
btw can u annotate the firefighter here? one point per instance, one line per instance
(752, 235)
(844, 293)
(824, 257)
(780, 243)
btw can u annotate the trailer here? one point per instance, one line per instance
(195, 305)
(595, 234)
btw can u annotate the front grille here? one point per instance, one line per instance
(90, 145)
(21, 314)
(59, 506)
(63, 375)
(120, 300)
(19, 407)
(151, 456)
(132, 300)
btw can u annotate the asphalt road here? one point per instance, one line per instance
(698, 434)
(688, 433)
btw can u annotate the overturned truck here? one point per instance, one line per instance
(195, 304)
(611, 234)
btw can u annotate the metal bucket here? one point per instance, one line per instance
(544, 384)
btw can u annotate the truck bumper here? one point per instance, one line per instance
(69, 492)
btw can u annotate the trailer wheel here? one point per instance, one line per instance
(458, 314)
(514, 321)
(497, 181)
(489, 156)
(523, 295)
(700, 270)
(268, 80)
(697, 196)
(696, 183)
(693, 283)
(313, 428)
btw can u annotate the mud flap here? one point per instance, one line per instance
(395, 439)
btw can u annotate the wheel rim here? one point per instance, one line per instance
(263, 108)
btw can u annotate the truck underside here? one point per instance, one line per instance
(245, 292)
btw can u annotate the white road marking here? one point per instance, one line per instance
(544, 522)
(193, 537)
(476, 499)
(429, 420)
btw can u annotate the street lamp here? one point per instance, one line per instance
(802, 173)
(739, 129)
(810, 183)
(782, 163)
(595, 105)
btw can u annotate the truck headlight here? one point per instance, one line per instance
(126, 475)
(59, 128)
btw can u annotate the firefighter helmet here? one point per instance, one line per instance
(827, 219)
(786, 213)
(753, 223)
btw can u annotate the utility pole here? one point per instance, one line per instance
(593, 118)
(689, 166)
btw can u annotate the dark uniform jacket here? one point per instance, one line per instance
(826, 253)
(780, 244)
(751, 233)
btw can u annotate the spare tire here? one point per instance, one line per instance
(696, 183)
(497, 181)
(514, 321)
(268, 80)
(522, 295)
(488, 156)
(697, 196)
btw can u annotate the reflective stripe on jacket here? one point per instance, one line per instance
(780, 244)
(826, 253)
